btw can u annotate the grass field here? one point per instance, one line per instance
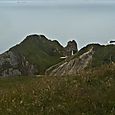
(89, 93)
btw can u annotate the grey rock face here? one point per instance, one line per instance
(9, 64)
(72, 67)
(11, 72)
(14, 65)
(23, 59)
(8, 57)
(71, 48)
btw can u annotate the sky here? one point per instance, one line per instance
(63, 1)
(60, 2)
(86, 21)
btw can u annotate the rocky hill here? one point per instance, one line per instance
(33, 56)
(91, 56)
(37, 55)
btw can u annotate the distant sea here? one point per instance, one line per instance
(86, 23)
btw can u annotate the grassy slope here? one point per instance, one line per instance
(39, 51)
(102, 54)
(90, 93)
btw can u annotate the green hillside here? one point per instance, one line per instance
(39, 51)
(103, 54)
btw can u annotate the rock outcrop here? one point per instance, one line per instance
(33, 56)
(8, 64)
(91, 56)
(37, 55)
(71, 48)
(12, 64)
(71, 67)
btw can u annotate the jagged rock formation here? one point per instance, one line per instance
(71, 48)
(36, 54)
(12, 64)
(32, 56)
(8, 60)
(71, 67)
(93, 55)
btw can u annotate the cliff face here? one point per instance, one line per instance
(32, 56)
(73, 66)
(37, 55)
(91, 56)
(12, 64)
(8, 64)
(71, 48)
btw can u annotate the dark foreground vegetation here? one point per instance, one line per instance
(89, 93)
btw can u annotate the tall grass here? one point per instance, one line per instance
(90, 93)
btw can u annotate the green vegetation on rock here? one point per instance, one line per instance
(91, 56)
(39, 51)
(103, 54)
(33, 56)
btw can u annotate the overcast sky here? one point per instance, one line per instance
(84, 23)
(60, 0)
